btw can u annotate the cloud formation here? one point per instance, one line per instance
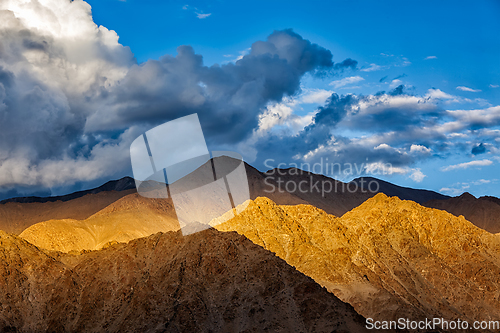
(479, 149)
(72, 98)
(467, 165)
(346, 81)
(462, 88)
(391, 130)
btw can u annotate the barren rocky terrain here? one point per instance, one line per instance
(128, 218)
(206, 282)
(388, 258)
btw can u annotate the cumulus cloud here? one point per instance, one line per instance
(53, 57)
(395, 83)
(417, 175)
(419, 149)
(391, 128)
(72, 98)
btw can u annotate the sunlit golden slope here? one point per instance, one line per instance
(206, 282)
(129, 218)
(16, 217)
(388, 258)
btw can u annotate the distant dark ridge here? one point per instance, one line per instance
(403, 193)
(123, 184)
(483, 212)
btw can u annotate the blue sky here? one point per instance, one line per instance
(463, 36)
(423, 95)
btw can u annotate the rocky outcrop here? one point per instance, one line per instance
(388, 258)
(205, 282)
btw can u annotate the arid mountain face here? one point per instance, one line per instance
(128, 218)
(332, 196)
(484, 212)
(388, 258)
(283, 186)
(17, 216)
(206, 282)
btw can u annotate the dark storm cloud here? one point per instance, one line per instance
(346, 64)
(72, 99)
(6, 77)
(228, 98)
(479, 149)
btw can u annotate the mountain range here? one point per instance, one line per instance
(297, 259)
(18, 214)
(206, 282)
(389, 258)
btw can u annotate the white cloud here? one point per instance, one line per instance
(467, 165)
(202, 15)
(439, 94)
(430, 57)
(395, 83)
(462, 88)
(448, 98)
(460, 187)
(481, 182)
(406, 62)
(372, 68)
(417, 175)
(383, 146)
(315, 96)
(453, 191)
(379, 168)
(419, 149)
(494, 86)
(346, 81)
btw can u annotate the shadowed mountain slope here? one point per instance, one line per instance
(484, 212)
(388, 258)
(404, 193)
(283, 186)
(206, 282)
(123, 184)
